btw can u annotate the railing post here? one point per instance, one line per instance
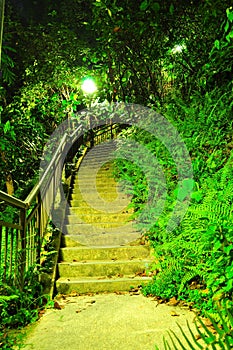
(40, 228)
(111, 131)
(92, 135)
(23, 241)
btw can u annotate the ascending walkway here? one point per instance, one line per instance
(102, 250)
(108, 322)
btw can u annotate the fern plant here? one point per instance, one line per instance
(197, 257)
(221, 337)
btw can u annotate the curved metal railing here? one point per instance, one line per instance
(23, 223)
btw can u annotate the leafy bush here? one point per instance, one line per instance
(19, 307)
(219, 337)
(195, 261)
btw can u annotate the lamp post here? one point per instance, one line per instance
(89, 88)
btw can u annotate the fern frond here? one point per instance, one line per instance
(189, 275)
(222, 340)
(172, 340)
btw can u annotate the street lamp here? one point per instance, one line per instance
(88, 86)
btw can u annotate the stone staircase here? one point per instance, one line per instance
(101, 249)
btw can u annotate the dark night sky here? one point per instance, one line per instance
(32, 10)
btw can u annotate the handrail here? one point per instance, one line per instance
(15, 202)
(36, 188)
(24, 227)
(27, 202)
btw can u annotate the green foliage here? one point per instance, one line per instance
(19, 307)
(194, 262)
(220, 337)
(17, 311)
(152, 49)
(9, 342)
(171, 56)
(201, 248)
(8, 75)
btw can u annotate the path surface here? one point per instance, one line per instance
(107, 322)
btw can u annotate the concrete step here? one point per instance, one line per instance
(91, 210)
(104, 155)
(100, 152)
(95, 212)
(101, 179)
(77, 199)
(103, 147)
(102, 268)
(100, 218)
(98, 285)
(75, 219)
(103, 161)
(101, 203)
(106, 196)
(105, 253)
(100, 240)
(100, 161)
(92, 193)
(98, 166)
(94, 187)
(90, 173)
(107, 155)
(99, 228)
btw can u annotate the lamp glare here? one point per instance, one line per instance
(89, 86)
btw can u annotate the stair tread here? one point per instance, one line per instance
(102, 284)
(126, 247)
(105, 262)
(81, 253)
(71, 216)
(101, 225)
(73, 209)
(102, 279)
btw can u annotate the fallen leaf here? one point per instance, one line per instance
(116, 29)
(73, 294)
(197, 336)
(41, 313)
(173, 313)
(120, 292)
(159, 301)
(141, 273)
(205, 291)
(120, 275)
(57, 306)
(173, 302)
(207, 322)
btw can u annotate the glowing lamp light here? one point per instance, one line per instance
(88, 86)
(178, 48)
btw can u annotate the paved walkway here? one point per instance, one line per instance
(107, 322)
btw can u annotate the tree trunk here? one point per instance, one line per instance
(2, 7)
